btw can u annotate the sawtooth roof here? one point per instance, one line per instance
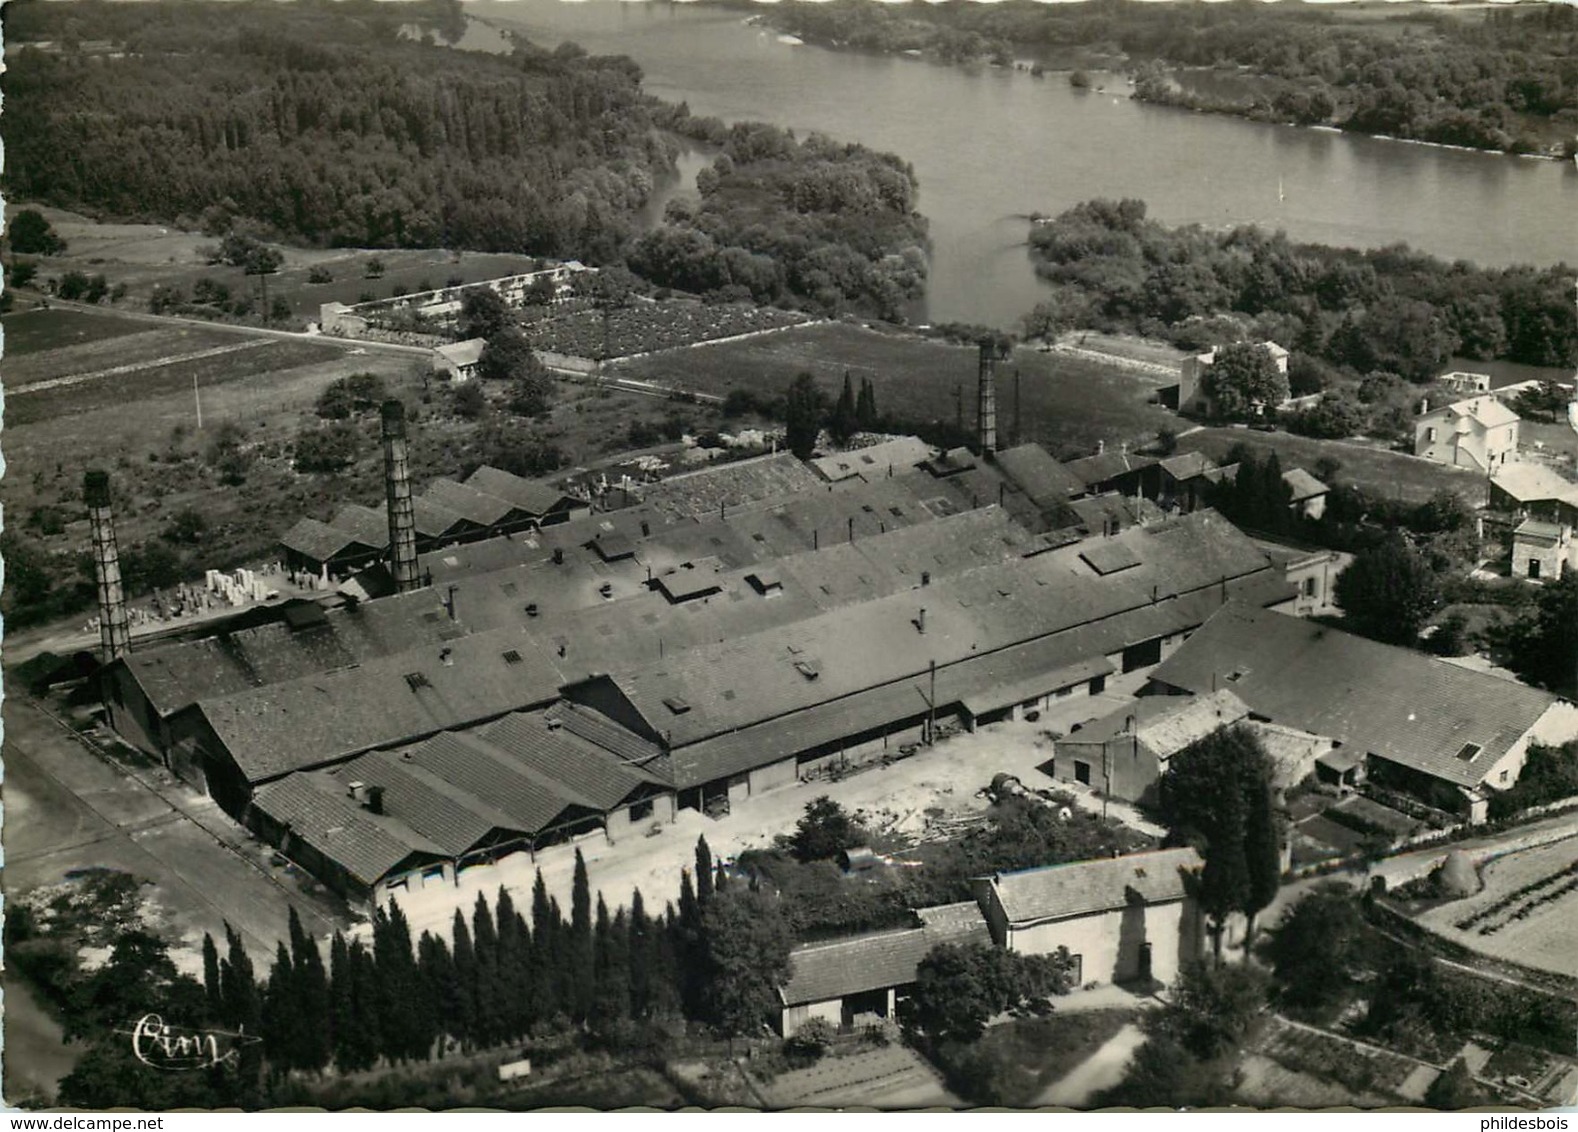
(530, 800)
(1084, 888)
(544, 746)
(1404, 706)
(174, 675)
(536, 497)
(823, 971)
(321, 542)
(327, 717)
(469, 503)
(452, 819)
(362, 523)
(368, 846)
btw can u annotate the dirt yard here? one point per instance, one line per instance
(937, 785)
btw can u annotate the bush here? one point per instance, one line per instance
(374, 269)
(811, 1042)
(326, 450)
(21, 273)
(470, 402)
(320, 275)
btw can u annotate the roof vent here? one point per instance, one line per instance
(447, 656)
(531, 609)
(416, 680)
(1469, 752)
(810, 669)
(676, 704)
(512, 656)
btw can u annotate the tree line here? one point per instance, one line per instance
(1493, 81)
(502, 976)
(1387, 310)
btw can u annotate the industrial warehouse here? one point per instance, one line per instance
(725, 632)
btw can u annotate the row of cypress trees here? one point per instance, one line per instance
(501, 976)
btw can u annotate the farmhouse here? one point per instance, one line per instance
(1448, 735)
(1480, 433)
(1123, 919)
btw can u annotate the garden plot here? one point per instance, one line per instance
(150, 348)
(1525, 912)
(644, 328)
(1371, 1076)
(44, 329)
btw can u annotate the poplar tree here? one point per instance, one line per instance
(463, 962)
(704, 875)
(238, 988)
(311, 991)
(582, 974)
(211, 977)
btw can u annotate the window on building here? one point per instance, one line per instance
(1082, 772)
(1506, 775)
(1430, 435)
(1309, 587)
(641, 811)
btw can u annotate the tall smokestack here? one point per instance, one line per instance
(114, 630)
(986, 402)
(397, 484)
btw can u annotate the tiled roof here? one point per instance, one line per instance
(735, 484)
(1412, 709)
(174, 675)
(1166, 724)
(449, 817)
(368, 846)
(533, 496)
(1093, 471)
(1093, 511)
(1188, 465)
(331, 716)
(1485, 409)
(1539, 529)
(588, 771)
(1303, 485)
(1529, 482)
(529, 799)
(463, 353)
(825, 971)
(1034, 472)
(363, 523)
(469, 502)
(747, 680)
(1059, 892)
(603, 732)
(433, 520)
(321, 542)
(896, 457)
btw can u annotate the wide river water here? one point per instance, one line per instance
(991, 145)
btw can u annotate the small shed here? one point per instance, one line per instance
(860, 859)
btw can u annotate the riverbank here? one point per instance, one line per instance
(1393, 71)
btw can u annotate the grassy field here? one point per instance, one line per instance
(247, 361)
(1375, 470)
(36, 331)
(148, 345)
(1068, 403)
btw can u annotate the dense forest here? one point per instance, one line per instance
(1493, 80)
(781, 218)
(350, 124)
(1389, 310)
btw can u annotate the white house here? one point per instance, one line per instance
(458, 361)
(1121, 919)
(1480, 433)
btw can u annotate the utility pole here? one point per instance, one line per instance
(198, 401)
(1018, 420)
(931, 708)
(958, 407)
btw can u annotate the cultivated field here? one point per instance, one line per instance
(1069, 402)
(1313, 1068)
(33, 332)
(644, 327)
(1376, 470)
(1525, 912)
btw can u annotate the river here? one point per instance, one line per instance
(992, 145)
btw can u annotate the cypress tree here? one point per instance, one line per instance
(437, 973)
(704, 874)
(211, 977)
(487, 990)
(238, 988)
(342, 1014)
(511, 956)
(463, 962)
(641, 957)
(582, 962)
(721, 879)
(613, 964)
(1262, 847)
(311, 991)
(405, 1016)
(844, 422)
(280, 1030)
(364, 1037)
